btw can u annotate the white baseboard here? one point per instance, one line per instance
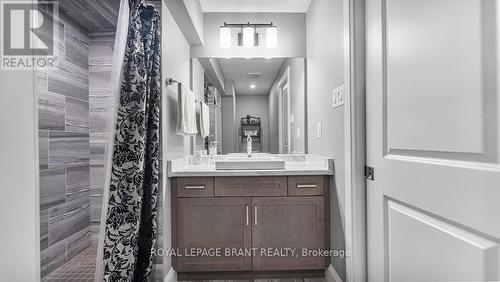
(171, 276)
(331, 275)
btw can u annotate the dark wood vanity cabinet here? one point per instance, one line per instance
(210, 223)
(259, 215)
(288, 222)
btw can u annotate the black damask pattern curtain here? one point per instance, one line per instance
(131, 222)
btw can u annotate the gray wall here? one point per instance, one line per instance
(297, 106)
(19, 195)
(63, 116)
(291, 35)
(197, 86)
(175, 64)
(325, 73)
(254, 105)
(101, 101)
(229, 130)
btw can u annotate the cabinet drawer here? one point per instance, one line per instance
(306, 185)
(201, 187)
(250, 186)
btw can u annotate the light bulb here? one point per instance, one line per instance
(248, 37)
(225, 37)
(271, 37)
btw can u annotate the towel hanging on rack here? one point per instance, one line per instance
(186, 111)
(204, 120)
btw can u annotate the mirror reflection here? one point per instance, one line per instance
(261, 98)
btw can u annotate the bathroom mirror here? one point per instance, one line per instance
(261, 97)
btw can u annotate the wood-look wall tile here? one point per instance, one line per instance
(53, 257)
(52, 188)
(101, 113)
(95, 208)
(58, 85)
(43, 149)
(97, 175)
(77, 182)
(51, 108)
(68, 218)
(102, 14)
(97, 152)
(77, 115)
(44, 229)
(77, 51)
(78, 242)
(100, 76)
(101, 49)
(94, 233)
(68, 149)
(48, 35)
(70, 80)
(41, 80)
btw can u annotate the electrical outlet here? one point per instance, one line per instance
(320, 130)
(338, 96)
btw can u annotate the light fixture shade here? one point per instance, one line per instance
(271, 37)
(248, 37)
(225, 37)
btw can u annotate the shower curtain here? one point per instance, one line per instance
(129, 220)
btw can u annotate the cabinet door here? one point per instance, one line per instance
(207, 223)
(288, 222)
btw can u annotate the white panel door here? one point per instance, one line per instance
(433, 139)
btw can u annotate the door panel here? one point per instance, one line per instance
(284, 222)
(434, 62)
(213, 223)
(432, 136)
(462, 255)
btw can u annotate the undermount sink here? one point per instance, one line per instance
(255, 162)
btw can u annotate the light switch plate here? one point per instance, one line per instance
(320, 130)
(338, 96)
(298, 133)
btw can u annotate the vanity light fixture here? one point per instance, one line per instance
(225, 37)
(271, 37)
(248, 36)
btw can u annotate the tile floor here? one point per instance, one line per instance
(82, 268)
(78, 269)
(264, 280)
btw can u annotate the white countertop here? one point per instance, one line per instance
(295, 164)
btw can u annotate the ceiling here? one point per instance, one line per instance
(245, 72)
(93, 15)
(252, 6)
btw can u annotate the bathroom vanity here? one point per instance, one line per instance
(251, 221)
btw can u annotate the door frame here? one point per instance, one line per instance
(284, 83)
(355, 139)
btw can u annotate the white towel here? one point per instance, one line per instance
(204, 120)
(186, 111)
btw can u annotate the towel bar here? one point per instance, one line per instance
(169, 81)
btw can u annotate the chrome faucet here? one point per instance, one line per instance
(249, 145)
